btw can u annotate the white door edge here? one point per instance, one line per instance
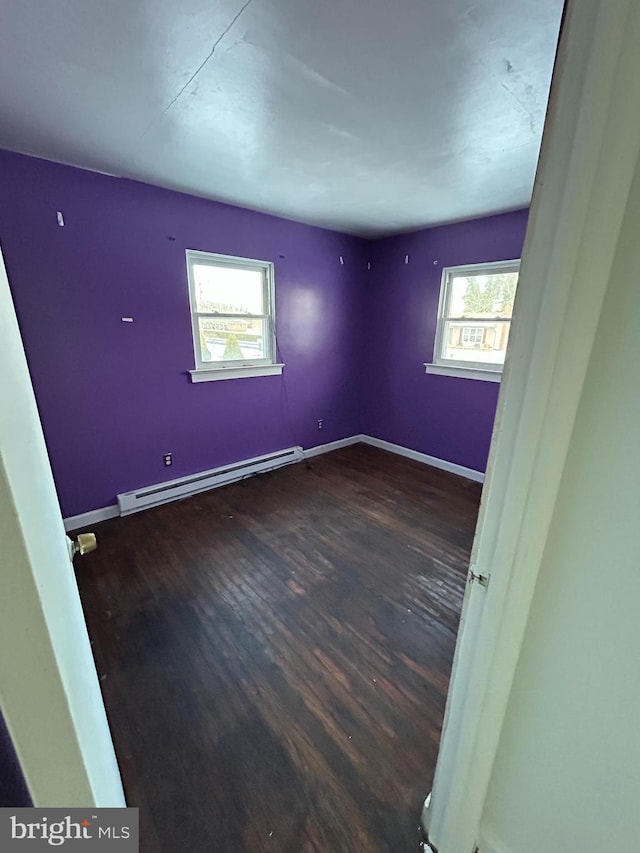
(588, 158)
(49, 690)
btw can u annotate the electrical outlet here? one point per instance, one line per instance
(320, 423)
(168, 460)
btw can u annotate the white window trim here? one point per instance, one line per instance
(242, 371)
(453, 367)
(464, 372)
(207, 371)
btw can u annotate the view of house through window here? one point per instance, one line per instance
(231, 308)
(476, 305)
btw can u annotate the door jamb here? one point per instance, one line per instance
(589, 154)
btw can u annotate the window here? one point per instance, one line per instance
(472, 336)
(474, 319)
(232, 317)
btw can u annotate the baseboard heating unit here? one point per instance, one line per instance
(183, 487)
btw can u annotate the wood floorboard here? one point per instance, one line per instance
(274, 655)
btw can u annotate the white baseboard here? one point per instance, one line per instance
(452, 467)
(93, 517)
(74, 522)
(332, 445)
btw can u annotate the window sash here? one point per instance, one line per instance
(268, 301)
(268, 337)
(477, 320)
(475, 364)
(258, 266)
(443, 318)
(216, 315)
(449, 273)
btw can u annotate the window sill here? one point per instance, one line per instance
(218, 373)
(464, 372)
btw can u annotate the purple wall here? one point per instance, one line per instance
(443, 416)
(113, 396)
(13, 789)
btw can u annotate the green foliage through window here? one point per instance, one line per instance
(232, 349)
(495, 298)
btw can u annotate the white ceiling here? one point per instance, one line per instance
(368, 116)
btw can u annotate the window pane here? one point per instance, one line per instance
(482, 295)
(232, 339)
(228, 290)
(475, 341)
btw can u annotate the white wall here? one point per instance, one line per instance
(49, 690)
(567, 772)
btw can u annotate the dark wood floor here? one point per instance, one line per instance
(274, 655)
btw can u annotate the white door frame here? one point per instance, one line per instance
(49, 691)
(589, 155)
